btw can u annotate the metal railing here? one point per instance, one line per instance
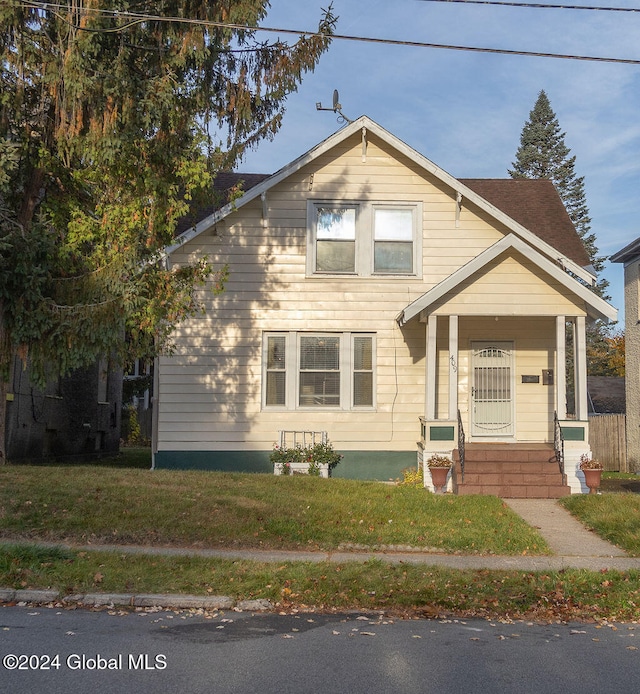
(558, 443)
(461, 439)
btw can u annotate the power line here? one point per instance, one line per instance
(538, 5)
(135, 18)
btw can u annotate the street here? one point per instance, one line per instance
(52, 649)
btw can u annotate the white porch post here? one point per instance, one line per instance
(561, 367)
(430, 376)
(453, 367)
(580, 359)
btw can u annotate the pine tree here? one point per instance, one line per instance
(113, 116)
(543, 153)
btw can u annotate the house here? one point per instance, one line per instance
(375, 297)
(74, 417)
(629, 256)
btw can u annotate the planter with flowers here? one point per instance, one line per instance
(592, 470)
(318, 460)
(439, 466)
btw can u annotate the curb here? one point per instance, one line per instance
(175, 601)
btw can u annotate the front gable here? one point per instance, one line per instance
(356, 163)
(509, 278)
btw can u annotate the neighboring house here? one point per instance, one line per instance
(373, 296)
(74, 417)
(630, 258)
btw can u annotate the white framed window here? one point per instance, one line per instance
(309, 370)
(364, 238)
(335, 233)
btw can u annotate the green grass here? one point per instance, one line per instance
(615, 517)
(401, 589)
(208, 509)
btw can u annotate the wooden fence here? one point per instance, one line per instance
(607, 438)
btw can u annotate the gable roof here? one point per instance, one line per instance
(596, 307)
(366, 125)
(537, 206)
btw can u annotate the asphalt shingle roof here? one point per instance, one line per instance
(536, 205)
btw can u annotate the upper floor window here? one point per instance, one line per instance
(336, 239)
(364, 238)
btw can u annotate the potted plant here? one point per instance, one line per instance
(592, 472)
(318, 460)
(439, 466)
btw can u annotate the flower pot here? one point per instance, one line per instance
(439, 478)
(592, 479)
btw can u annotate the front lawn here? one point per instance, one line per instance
(100, 505)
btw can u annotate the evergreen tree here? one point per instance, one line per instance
(113, 116)
(544, 154)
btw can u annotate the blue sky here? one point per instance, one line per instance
(465, 111)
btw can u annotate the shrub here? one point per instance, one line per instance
(412, 477)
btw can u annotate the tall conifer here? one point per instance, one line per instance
(543, 153)
(113, 116)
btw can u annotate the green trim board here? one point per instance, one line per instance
(360, 465)
(441, 433)
(573, 433)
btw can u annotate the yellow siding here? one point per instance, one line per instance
(210, 391)
(530, 292)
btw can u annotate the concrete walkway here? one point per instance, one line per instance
(564, 534)
(573, 545)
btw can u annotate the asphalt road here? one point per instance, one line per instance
(54, 650)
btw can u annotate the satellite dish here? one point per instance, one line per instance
(336, 108)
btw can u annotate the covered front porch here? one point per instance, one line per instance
(499, 334)
(497, 406)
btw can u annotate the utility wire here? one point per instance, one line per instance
(140, 18)
(538, 5)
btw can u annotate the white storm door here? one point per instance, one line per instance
(492, 406)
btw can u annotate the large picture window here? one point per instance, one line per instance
(318, 370)
(364, 238)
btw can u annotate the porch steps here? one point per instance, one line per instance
(511, 471)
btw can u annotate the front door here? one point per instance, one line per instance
(492, 389)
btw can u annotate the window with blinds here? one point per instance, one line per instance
(319, 371)
(325, 371)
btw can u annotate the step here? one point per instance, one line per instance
(515, 492)
(510, 471)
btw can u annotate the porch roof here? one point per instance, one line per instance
(595, 306)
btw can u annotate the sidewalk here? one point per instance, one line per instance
(574, 547)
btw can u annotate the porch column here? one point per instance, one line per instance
(580, 359)
(453, 367)
(430, 376)
(561, 367)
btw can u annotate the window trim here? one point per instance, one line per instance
(292, 371)
(365, 237)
